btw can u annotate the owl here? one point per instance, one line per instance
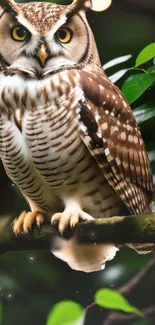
(68, 138)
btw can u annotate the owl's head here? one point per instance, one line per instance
(45, 37)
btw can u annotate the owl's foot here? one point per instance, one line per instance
(68, 218)
(26, 220)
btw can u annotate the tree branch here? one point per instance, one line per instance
(118, 230)
(132, 284)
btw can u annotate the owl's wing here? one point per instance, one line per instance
(109, 130)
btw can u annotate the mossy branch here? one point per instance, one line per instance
(118, 230)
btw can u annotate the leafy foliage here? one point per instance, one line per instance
(71, 313)
(137, 83)
(111, 299)
(144, 112)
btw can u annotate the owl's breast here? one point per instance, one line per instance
(42, 151)
(52, 136)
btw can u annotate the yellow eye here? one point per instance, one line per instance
(19, 33)
(64, 35)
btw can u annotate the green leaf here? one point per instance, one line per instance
(146, 54)
(136, 85)
(151, 69)
(144, 112)
(66, 313)
(118, 75)
(111, 299)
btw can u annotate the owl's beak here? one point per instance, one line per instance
(42, 54)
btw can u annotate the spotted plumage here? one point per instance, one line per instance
(68, 138)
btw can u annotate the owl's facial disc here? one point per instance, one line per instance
(40, 47)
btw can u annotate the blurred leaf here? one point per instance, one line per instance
(146, 54)
(116, 61)
(66, 313)
(111, 299)
(144, 112)
(151, 69)
(136, 85)
(118, 75)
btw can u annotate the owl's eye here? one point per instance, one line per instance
(19, 33)
(64, 35)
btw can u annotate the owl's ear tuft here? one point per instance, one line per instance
(95, 5)
(9, 5)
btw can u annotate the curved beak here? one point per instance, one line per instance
(42, 54)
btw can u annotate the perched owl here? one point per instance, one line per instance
(68, 138)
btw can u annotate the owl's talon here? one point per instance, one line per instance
(18, 223)
(26, 220)
(55, 223)
(38, 223)
(74, 221)
(66, 219)
(40, 220)
(62, 221)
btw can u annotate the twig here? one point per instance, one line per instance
(137, 279)
(117, 317)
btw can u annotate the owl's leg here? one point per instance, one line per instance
(70, 217)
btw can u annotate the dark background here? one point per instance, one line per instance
(32, 282)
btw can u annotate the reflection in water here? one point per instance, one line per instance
(80, 257)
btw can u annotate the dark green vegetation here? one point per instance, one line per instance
(31, 283)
